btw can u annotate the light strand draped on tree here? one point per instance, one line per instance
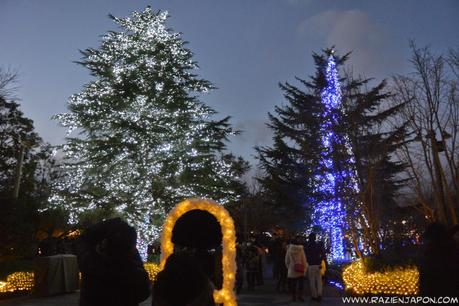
(332, 157)
(329, 212)
(145, 140)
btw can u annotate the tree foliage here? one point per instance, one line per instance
(145, 141)
(19, 215)
(295, 160)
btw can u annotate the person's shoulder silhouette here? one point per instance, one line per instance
(182, 283)
(111, 267)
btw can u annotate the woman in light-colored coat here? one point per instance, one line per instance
(296, 264)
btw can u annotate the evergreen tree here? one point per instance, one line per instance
(17, 137)
(145, 140)
(338, 142)
(24, 184)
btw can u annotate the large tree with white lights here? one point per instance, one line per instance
(144, 139)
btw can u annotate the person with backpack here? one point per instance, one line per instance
(295, 261)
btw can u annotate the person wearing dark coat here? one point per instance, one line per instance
(282, 269)
(315, 253)
(182, 282)
(439, 263)
(111, 267)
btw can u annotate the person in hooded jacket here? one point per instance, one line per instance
(295, 261)
(111, 268)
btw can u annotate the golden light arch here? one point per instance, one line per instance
(226, 294)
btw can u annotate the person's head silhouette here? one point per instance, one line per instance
(182, 283)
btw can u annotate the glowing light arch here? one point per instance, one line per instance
(226, 294)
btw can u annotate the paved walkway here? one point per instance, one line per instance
(261, 296)
(267, 296)
(70, 299)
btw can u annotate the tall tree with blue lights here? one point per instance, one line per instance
(332, 142)
(145, 141)
(329, 211)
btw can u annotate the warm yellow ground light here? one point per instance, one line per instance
(17, 281)
(3, 286)
(400, 281)
(152, 270)
(225, 295)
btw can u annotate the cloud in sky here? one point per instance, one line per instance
(353, 30)
(254, 130)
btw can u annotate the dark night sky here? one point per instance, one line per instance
(244, 47)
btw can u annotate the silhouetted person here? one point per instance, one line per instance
(240, 268)
(439, 264)
(276, 254)
(296, 264)
(251, 265)
(182, 283)
(315, 254)
(259, 274)
(282, 269)
(48, 246)
(112, 270)
(323, 263)
(455, 234)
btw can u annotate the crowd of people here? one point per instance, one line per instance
(113, 272)
(297, 260)
(293, 261)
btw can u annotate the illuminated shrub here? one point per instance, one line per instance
(3, 286)
(152, 270)
(399, 281)
(18, 281)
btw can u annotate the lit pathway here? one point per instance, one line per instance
(266, 296)
(261, 296)
(70, 299)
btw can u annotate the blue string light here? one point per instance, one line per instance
(336, 284)
(329, 211)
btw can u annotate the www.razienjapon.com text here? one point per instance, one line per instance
(400, 300)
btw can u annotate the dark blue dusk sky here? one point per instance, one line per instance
(244, 47)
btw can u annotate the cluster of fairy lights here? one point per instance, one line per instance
(399, 281)
(24, 281)
(225, 295)
(153, 127)
(329, 212)
(17, 281)
(152, 270)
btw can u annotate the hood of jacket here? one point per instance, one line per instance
(295, 248)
